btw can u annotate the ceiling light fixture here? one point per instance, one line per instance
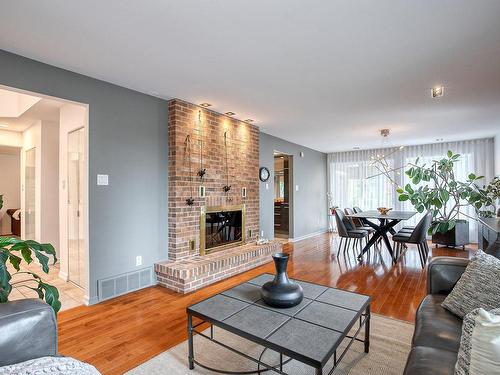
(437, 92)
(230, 113)
(249, 120)
(205, 105)
(4, 126)
(382, 162)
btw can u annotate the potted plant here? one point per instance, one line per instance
(14, 251)
(436, 189)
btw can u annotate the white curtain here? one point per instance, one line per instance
(348, 173)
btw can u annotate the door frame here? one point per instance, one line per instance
(63, 264)
(291, 191)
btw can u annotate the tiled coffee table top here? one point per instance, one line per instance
(309, 332)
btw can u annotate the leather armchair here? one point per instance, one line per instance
(436, 339)
(28, 330)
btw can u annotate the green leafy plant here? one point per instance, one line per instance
(493, 188)
(14, 251)
(442, 194)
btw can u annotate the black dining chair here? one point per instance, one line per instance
(347, 231)
(358, 223)
(417, 237)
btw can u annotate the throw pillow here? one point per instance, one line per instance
(479, 351)
(478, 287)
(50, 365)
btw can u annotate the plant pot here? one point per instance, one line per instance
(458, 236)
(281, 292)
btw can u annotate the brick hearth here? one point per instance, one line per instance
(185, 270)
(187, 275)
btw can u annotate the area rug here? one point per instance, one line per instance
(389, 347)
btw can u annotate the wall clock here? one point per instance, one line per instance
(264, 174)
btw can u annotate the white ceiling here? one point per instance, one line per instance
(325, 74)
(45, 109)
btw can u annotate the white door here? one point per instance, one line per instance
(29, 194)
(76, 240)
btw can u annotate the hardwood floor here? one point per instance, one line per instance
(119, 334)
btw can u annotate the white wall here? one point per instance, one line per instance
(9, 138)
(10, 187)
(72, 117)
(49, 200)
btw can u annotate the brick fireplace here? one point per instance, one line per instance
(199, 139)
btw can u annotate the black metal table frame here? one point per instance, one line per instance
(386, 225)
(364, 321)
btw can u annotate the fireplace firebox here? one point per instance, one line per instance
(221, 227)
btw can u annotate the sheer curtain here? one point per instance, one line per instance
(348, 171)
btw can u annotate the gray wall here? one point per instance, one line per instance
(309, 204)
(128, 141)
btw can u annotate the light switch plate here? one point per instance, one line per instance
(296, 187)
(267, 186)
(102, 180)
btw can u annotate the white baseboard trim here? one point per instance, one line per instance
(90, 301)
(300, 238)
(63, 275)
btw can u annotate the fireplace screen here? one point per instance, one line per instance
(221, 226)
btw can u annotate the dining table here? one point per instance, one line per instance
(385, 225)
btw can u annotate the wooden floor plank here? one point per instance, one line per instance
(122, 333)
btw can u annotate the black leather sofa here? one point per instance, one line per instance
(28, 330)
(436, 339)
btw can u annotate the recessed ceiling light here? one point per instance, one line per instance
(249, 120)
(230, 113)
(4, 126)
(437, 92)
(205, 105)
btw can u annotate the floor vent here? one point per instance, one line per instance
(122, 284)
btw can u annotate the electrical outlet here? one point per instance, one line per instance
(138, 260)
(192, 244)
(262, 233)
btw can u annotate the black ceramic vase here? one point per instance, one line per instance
(281, 292)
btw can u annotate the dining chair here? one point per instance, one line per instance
(347, 231)
(418, 237)
(357, 222)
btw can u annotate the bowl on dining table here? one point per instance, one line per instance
(383, 210)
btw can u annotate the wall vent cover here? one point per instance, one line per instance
(125, 283)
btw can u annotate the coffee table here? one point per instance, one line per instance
(310, 332)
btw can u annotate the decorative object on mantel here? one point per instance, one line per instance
(380, 162)
(445, 196)
(264, 174)
(281, 292)
(226, 187)
(383, 210)
(202, 171)
(187, 153)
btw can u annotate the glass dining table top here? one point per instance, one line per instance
(391, 215)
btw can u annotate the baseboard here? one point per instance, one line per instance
(63, 275)
(90, 301)
(300, 238)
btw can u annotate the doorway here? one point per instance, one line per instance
(282, 194)
(76, 179)
(51, 136)
(30, 193)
